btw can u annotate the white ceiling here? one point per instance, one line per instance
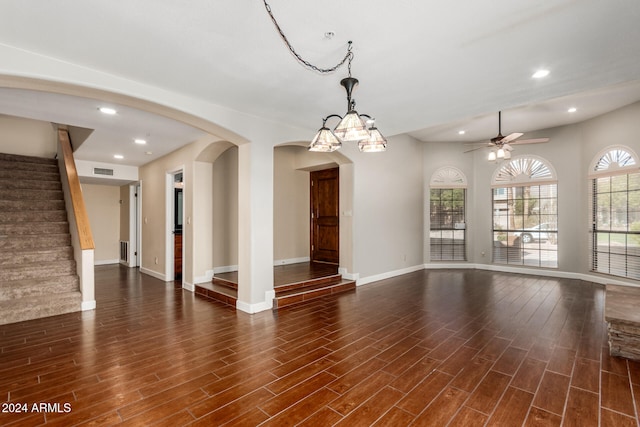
(428, 68)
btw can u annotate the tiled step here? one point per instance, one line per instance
(34, 228)
(9, 243)
(286, 295)
(33, 216)
(308, 293)
(16, 289)
(38, 270)
(39, 306)
(221, 293)
(27, 256)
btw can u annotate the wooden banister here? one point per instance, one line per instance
(79, 210)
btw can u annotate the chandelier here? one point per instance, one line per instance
(352, 127)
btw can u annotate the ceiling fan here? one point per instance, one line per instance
(502, 145)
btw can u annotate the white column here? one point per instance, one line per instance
(255, 227)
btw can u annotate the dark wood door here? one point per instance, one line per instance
(325, 223)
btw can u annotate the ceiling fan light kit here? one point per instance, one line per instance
(352, 127)
(501, 145)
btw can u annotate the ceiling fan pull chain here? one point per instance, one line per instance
(347, 56)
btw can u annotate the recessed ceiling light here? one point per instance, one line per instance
(461, 132)
(118, 156)
(572, 110)
(540, 74)
(140, 141)
(107, 110)
(148, 153)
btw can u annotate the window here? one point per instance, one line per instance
(615, 240)
(525, 213)
(447, 198)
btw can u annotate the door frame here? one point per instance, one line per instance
(170, 218)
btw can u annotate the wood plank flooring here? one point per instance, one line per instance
(430, 348)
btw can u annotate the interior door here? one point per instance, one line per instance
(325, 230)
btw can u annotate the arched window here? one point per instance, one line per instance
(525, 213)
(615, 214)
(447, 200)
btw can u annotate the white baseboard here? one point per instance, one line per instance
(106, 262)
(291, 261)
(587, 277)
(349, 276)
(88, 305)
(154, 274)
(267, 304)
(388, 275)
(223, 269)
(188, 286)
(208, 276)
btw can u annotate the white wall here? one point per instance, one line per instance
(103, 208)
(387, 208)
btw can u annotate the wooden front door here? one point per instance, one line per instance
(325, 227)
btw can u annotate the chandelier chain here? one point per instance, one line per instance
(347, 57)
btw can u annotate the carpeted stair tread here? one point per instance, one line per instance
(11, 194)
(29, 184)
(37, 270)
(35, 307)
(27, 159)
(31, 205)
(15, 289)
(38, 274)
(29, 166)
(29, 175)
(9, 243)
(25, 228)
(30, 255)
(59, 215)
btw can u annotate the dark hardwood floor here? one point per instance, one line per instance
(431, 348)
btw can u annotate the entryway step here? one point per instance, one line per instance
(224, 294)
(308, 293)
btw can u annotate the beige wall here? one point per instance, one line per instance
(291, 206)
(225, 209)
(27, 137)
(124, 213)
(103, 207)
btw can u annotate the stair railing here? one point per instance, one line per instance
(79, 227)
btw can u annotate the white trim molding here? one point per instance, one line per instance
(88, 305)
(154, 274)
(388, 275)
(267, 304)
(108, 262)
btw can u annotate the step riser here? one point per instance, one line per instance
(37, 271)
(31, 205)
(13, 258)
(33, 216)
(34, 242)
(34, 228)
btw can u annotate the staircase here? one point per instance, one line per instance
(37, 270)
(226, 290)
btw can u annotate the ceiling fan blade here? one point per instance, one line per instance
(511, 137)
(476, 149)
(531, 141)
